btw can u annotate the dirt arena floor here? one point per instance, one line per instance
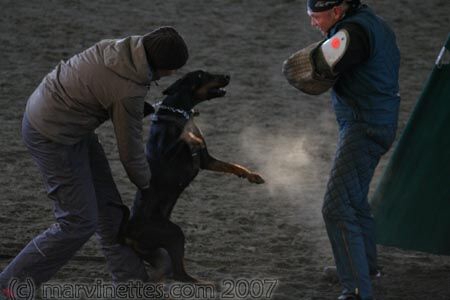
(234, 230)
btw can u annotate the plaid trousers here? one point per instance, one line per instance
(346, 211)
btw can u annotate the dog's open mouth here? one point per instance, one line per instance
(217, 92)
(218, 88)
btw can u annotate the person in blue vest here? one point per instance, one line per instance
(359, 59)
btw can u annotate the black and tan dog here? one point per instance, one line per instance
(176, 151)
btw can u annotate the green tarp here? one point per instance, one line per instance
(412, 202)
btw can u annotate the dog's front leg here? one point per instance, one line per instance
(212, 164)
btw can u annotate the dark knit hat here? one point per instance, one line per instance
(165, 49)
(323, 5)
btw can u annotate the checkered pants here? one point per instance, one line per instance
(346, 211)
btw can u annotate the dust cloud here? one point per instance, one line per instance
(284, 161)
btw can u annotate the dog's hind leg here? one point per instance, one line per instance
(162, 233)
(175, 248)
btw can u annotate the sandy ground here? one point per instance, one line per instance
(233, 229)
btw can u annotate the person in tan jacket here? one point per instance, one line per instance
(107, 81)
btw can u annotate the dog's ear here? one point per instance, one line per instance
(174, 87)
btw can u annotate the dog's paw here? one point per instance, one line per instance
(255, 178)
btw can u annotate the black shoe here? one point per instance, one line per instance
(348, 297)
(375, 274)
(330, 274)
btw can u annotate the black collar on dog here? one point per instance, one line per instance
(179, 122)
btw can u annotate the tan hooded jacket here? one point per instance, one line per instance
(107, 81)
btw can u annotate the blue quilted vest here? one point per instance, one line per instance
(369, 92)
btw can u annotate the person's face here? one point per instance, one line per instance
(324, 20)
(159, 73)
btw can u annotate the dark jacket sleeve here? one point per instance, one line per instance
(126, 116)
(358, 49)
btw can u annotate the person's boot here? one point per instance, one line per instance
(348, 297)
(330, 274)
